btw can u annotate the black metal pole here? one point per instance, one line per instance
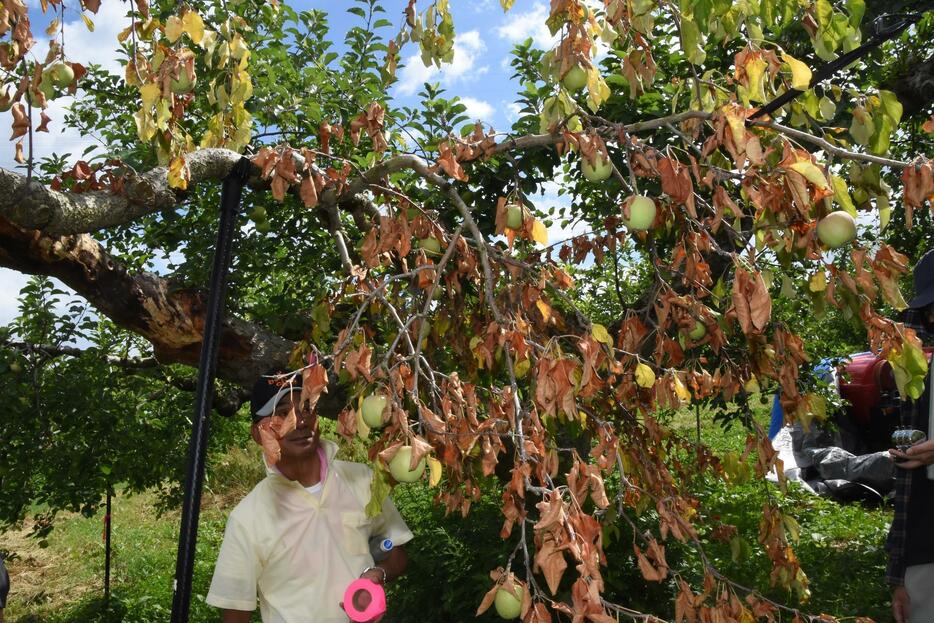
(107, 519)
(204, 392)
(883, 33)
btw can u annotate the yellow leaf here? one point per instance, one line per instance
(173, 29)
(179, 173)
(539, 233)
(434, 471)
(599, 333)
(645, 376)
(149, 94)
(818, 282)
(811, 172)
(544, 308)
(755, 71)
(842, 195)
(680, 389)
(88, 22)
(800, 73)
(194, 26)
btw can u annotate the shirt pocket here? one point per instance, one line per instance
(357, 527)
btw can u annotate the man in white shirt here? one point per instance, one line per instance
(301, 536)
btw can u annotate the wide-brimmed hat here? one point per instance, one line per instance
(924, 282)
(269, 389)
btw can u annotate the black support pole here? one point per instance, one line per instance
(107, 519)
(204, 392)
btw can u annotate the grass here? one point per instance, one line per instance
(840, 548)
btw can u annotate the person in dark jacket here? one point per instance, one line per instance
(911, 537)
(4, 588)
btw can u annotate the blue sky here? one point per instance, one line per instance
(479, 73)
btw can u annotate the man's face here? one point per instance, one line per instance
(300, 442)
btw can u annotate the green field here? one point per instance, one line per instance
(840, 548)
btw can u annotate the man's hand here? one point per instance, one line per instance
(916, 456)
(374, 575)
(900, 603)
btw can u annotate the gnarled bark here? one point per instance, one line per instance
(144, 303)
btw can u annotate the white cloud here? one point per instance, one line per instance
(478, 110)
(513, 110)
(11, 282)
(468, 47)
(520, 26)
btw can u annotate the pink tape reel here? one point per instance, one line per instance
(374, 608)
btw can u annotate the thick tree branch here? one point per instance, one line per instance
(144, 303)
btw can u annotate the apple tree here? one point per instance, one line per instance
(406, 248)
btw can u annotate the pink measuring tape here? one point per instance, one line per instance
(354, 598)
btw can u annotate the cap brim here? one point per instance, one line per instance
(270, 406)
(922, 300)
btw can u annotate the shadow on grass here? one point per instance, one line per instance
(93, 610)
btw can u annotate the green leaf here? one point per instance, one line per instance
(891, 107)
(379, 490)
(692, 43)
(856, 9)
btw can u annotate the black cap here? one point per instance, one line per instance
(269, 390)
(924, 282)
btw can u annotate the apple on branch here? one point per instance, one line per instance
(399, 466)
(509, 605)
(431, 245)
(641, 212)
(836, 229)
(372, 410)
(598, 170)
(575, 79)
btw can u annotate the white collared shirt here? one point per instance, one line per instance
(296, 552)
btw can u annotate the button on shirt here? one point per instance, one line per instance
(297, 551)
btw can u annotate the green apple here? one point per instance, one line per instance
(183, 83)
(373, 407)
(263, 227)
(431, 245)
(698, 331)
(62, 74)
(836, 229)
(641, 213)
(599, 170)
(509, 605)
(575, 79)
(514, 216)
(15, 367)
(258, 214)
(399, 466)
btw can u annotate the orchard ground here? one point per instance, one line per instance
(841, 549)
